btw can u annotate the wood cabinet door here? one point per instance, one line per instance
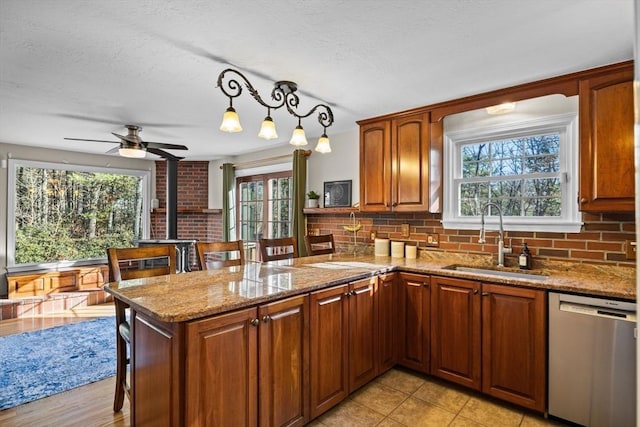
(606, 143)
(156, 363)
(375, 167)
(388, 321)
(410, 163)
(514, 345)
(283, 363)
(455, 331)
(363, 333)
(222, 369)
(329, 313)
(415, 298)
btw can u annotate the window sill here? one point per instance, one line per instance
(493, 223)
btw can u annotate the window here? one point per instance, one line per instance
(528, 168)
(65, 214)
(265, 207)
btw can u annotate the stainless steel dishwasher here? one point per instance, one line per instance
(592, 360)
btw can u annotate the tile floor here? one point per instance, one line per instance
(404, 398)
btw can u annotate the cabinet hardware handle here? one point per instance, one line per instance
(425, 284)
(347, 294)
(485, 294)
(255, 322)
(475, 291)
(266, 318)
(583, 200)
(394, 204)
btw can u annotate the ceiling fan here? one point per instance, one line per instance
(131, 145)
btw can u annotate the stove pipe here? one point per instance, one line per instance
(172, 199)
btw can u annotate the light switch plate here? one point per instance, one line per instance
(433, 240)
(630, 247)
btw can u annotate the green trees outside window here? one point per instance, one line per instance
(65, 214)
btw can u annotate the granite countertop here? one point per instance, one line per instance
(188, 296)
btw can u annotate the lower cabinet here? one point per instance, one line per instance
(414, 321)
(287, 362)
(455, 331)
(343, 342)
(387, 298)
(490, 338)
(249, 365)
(514, 344)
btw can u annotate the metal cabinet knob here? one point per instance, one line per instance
(266, 318)
(255, 322)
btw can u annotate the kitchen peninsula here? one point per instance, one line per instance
(283, 342)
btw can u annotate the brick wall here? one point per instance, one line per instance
(194, 220)
(602, 239)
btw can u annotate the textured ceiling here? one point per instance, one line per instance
(84, 68)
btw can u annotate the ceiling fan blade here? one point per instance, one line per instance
(113, 150)
(92, 140)
(127, 138)
(163, 154)
(150, 144)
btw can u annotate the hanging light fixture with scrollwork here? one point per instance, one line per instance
(284, 94)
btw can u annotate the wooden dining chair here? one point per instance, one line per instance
(213, 255)
(276, 249)
(320, 245)
(133, 263)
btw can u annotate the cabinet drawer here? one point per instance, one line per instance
(94, 278)
(63, 282)
(27, 285)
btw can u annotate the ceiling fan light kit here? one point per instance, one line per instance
(131, 145)
(284, 94)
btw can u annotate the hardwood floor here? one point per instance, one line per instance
(87, 406)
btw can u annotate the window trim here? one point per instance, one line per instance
(13, 164)
(566, 125)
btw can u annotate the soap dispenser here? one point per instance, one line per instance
(524, 260)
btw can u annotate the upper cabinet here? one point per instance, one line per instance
(394, 164)
(606, 142)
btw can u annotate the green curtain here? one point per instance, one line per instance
(299, 190)
(228, 202)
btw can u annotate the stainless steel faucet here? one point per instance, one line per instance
(482, 238)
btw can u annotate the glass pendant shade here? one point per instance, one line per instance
(132, 152)
(298, 138)
(230, 121)
(268, 129)
(323, 144)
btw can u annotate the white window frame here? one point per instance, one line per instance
(566, 125)
(13, 164)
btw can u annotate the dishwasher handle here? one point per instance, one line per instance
(590, 310)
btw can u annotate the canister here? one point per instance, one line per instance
(411, 251)
(381, 247)
(397, 249)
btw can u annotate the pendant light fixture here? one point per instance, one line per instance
(231, 81)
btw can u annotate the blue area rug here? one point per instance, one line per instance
(38, 364)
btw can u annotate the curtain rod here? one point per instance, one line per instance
(266, 160)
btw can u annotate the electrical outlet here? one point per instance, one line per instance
(433, 240)
(404, 228)
(314, 232)
(631, 249)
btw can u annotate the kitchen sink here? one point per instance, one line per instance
(496, 272)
